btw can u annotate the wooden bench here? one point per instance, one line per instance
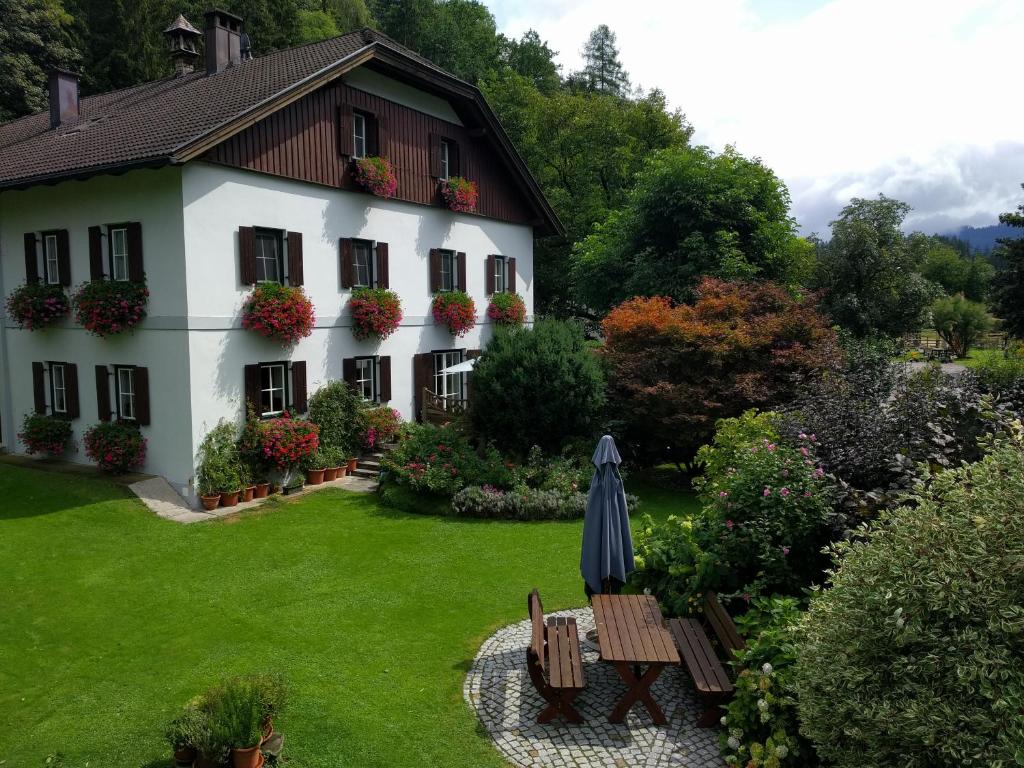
(554, 662)
(710, 677)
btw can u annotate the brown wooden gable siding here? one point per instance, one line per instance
(301, 142)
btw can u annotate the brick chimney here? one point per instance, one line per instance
(222, 41)
(63, 96)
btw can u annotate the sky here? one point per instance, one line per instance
(841, 98)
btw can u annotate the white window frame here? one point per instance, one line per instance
(357, 245)
(451, 260)
(119, 254)
(358, 135)
(125, 375)
(366, 378)
(500, 274)
(270, 388)
(264, 235)
(58, 388)
(51, 259)
(449, 386)
(446, 153)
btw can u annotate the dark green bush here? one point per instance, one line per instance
(913, 657)
(537, 386)
(340, 413)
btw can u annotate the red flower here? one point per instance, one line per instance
(106, 307)
(459, 194)
(507, 309)
(375, 175)
(375, 312)
(279, 312)
(456, 310)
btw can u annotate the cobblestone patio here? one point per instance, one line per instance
(499, 690)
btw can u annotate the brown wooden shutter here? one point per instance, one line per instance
(381, 138)
(347, 265)
(460, 257)
(95, 253)
(247, 254)
(102, 393)
(64, 257)
(348, 371)
(295, 258)
(141, 381)
(38, 388)
(422, 372)
(382, 265)
(345, 147)
(252, 389)
(136, 271)
(511, 280)
(435, 270)
(372, 144)
(31, 264)
(299, 396)
(454, 159)
(71, 390)
(384, 380)
(489, 277)
(435, 155)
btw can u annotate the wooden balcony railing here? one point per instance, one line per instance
(436, 409)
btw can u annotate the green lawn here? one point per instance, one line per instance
(113, 618)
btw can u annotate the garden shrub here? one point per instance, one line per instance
(36, 305)
(338, 410)
(219, 467)
(436, 460)
(402, 497)
(382, 426)
(960, 323)
(913, 656)
(115, 446)
(1003, 376)
(732, 438)
(761, 720)
(674, 370)
(566, 473)
(524, 504)
(537, 386)
(45, 434)
(672, 564)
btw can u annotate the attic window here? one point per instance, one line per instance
(358, 135)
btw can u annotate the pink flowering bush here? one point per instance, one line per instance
(285, 441)
(455, 310)
(382, 425)
(50, 435)
(36, 305)
(115, 446)
(279, 312)
(108, 307)
(435, 460)
(507, 309)
(376, 176)
(376, 312)
(459, 194)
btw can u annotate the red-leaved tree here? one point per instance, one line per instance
(673, 370)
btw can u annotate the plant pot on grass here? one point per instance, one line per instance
(247, 757)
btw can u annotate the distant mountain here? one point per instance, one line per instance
(983, 239)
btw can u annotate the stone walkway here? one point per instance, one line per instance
(498, 688)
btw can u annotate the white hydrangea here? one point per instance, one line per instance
(762, 705)
(781, 751)
(733, 742)
(725, 720)
(767, 668)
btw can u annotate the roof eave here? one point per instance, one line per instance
(80, 174)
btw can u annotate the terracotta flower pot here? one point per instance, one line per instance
(210, 502)
(250, 757)
(342, 471)
(314, 476)
(262, 489)
(229, 499)
(248, 493)
(331, 473)
(352, 464)
(186, 757)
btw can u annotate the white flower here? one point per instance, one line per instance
(733, 742)
(725, 720)
(781, 751)
(647, 590)
(762, 705)
(767, 668)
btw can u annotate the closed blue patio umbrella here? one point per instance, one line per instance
(607, 557)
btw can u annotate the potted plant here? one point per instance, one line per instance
(315, 466)
(376, 176)
(37, 305)
(455, 310)
(294, 485)
(209, 494)
(285, 442)
(245, 475)
(278, 312)
(230, 486)
(353, 464)
(507, 309)
(376, 313)
(219, 467)
(335, 463)
(237, 715)
(261, 490)
(185, 733)
(459, 194)
(108, 307)
(49, 435)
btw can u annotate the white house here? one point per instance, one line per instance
(239, 171)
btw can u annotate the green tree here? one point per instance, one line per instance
(316, 25)
(1008, 290)
(869, 273)
(530, 57)
(959, 322)
(602, 71)
(691, 213)
(35, 36)
(943, 265)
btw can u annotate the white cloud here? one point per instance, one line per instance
(838, 96)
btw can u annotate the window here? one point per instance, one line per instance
(58, 388)
(273, 395)
(366, 377)
(499, 274)
(269, 257)
(449, 271)
(51, 266)
(451, 386)
(124, 380)
(119, 254)
(358, 135)
(445, 159)
(362, 263)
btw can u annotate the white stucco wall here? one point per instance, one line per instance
(153, 198)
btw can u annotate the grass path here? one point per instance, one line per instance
(113, 618)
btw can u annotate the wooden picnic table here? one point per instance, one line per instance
(632, 635)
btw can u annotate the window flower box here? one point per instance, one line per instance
(109, 307)
(459, 194)
(455, 310)
(376, 175)
(376, 312)
(278, 312)
(50, 435)
(37, 305)
(507, 309)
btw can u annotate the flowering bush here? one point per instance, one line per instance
(278, 312)
(459, 194)
(45, 434)
(375, 312)
(375, 175)
(438, 460)
(36, 305)
(285, 441)
(454, 310)
(106, 307)
(507, 309)
(115, 446)
(382, 424)
(523, 503)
